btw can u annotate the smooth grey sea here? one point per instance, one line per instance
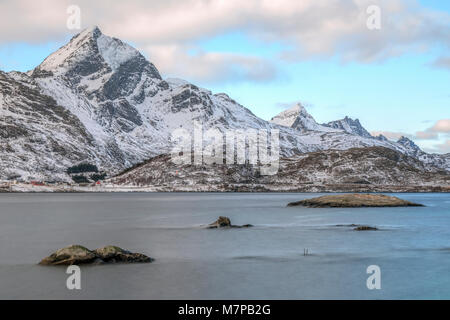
(412, 247)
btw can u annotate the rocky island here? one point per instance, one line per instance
(76, 254)
(354, 200)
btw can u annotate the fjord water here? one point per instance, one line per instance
(412, 247)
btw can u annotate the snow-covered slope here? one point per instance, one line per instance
(411, 147)
(370, 169)
(116, 110)
(413, 150)
(38, 138)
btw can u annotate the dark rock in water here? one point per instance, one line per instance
(243, 226)
(77, 254)
(365, 228)
(225, 222)
(354, 201)
(116, 254)
(357, 227)
(222, 222)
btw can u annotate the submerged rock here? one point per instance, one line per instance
(365, 228)
(353, 201)
(357, 227)
(76, 254)
(225, 222)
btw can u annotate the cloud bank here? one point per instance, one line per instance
(440, 129)
(168, 30)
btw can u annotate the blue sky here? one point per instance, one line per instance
(403, 92)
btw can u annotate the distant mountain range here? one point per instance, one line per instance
(298, 118)
(98, 100)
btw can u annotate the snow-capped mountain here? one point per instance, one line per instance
(99, 100)
(102, 81)
(351, 131)
(350, 126)
(298, 118)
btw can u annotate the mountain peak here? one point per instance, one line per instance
(298, 118)
(82, 45)
(288, 117)
(92, 32)
(409, 144)
(88, 52)
(91, 53)
(350, 126)
(405, 140)
(297, 107)
(381, 137)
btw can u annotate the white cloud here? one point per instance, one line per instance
(444, 147)
(210, 66)
(442, 62)
(307, 29)
(441, 126)
(440, 148)
(426, 135)
(290, 104)
(433, 133)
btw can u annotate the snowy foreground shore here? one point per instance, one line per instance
(28, 187)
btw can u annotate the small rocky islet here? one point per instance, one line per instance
(354, 200)
(76, 254)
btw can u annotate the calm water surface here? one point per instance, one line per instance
(265, 262)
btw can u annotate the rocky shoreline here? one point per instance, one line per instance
(306, 188)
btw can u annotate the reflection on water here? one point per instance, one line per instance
(264, 262)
